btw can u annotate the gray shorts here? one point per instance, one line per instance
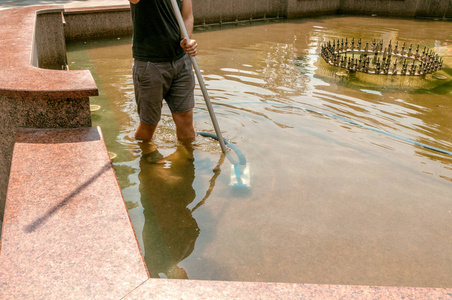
(154, 81)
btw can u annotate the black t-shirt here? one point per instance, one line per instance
(156, 33)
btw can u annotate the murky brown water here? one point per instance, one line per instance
(330, 202)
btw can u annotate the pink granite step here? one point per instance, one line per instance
(199, 289)
(66, 230)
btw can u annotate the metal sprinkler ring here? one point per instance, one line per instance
(377, 59)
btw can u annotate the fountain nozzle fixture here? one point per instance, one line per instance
(375, 58)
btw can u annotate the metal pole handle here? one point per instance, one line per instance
(194, 62)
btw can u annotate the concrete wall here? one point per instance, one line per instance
(213, 11)
(116, 21)
(307, 8)
(434, 8)
(49, 31)
(94, 23)
(398, 8)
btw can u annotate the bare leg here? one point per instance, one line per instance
(145, 132)
(184, 125)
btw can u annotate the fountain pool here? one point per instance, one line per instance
(330, 202)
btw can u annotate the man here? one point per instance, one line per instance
(162, 69)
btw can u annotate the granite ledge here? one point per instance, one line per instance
(96, 9)
(66, 232)
(200, 289)
(18, 77)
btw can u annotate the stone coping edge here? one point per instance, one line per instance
(96, 9)
(18, 76)
(203, 289)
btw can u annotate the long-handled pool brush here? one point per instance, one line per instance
(240, 169)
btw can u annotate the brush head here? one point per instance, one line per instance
(240, 175)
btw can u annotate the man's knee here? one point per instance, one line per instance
(145, 131)
(184, 124)
(184, 118)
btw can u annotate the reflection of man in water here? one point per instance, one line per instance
(170, 231)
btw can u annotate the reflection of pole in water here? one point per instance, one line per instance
(170, 231)
(216, 171)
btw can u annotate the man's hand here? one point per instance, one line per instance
(190, 47)
(134, 1)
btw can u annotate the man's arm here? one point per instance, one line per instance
(187, 15)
